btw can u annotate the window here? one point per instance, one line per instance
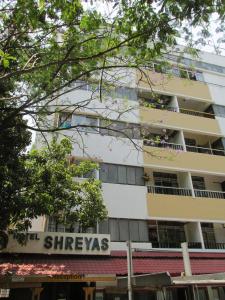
(86, 121)
(166, 234)
(65, 120)
(165, 179)
(219, 110)
(126, 93)
(198, 182)
(120, 174)
(202, 294)
(120, 129)
(179, 72)
(125, 229)
(83, 85)
(208, 235)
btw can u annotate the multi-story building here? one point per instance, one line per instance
(159, 139)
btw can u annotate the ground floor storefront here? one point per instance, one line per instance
(76, 291)
(157, 276)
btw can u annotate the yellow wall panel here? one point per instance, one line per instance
(174, 85)
(180, 207)
(178, 120)
(168, 158)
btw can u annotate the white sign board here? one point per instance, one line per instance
(60, 243)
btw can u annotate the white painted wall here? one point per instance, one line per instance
(221, 122)
(123, 246)
(38, 224)
(212, 58)
(216, 84)
(184, 180)
(125, 201)
(106, 148)
(112, 108)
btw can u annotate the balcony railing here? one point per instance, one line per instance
(197, 113)
(163, 145)
(181, 110)
(205, 150)
(169, 190)
(209, 194)
(214, 245)
(191, 245)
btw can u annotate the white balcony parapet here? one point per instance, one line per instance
(169, 190)
(209, 194)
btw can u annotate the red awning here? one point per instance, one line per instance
(143, 263)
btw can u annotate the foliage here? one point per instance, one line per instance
(50, 189)
(46, 45)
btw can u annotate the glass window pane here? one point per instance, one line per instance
(139, 173)
(104, 227)
(131, 177)
(92, 122)
(105, 125)
(112, 174)
(103, 172)
(85, 120)
(199, 76)
(134, 231)
(143, 231)
(65, 120)
(124, 230)
(114, 229)
(122, 174)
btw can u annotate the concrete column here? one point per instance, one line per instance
(193, 233)
(183, 140)
(201, 235)
(174, 103)
(191, 184)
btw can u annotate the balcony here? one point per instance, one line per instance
(169, 158)
(170, 202)
(204, 150)
(163, 83)
(169, 245)
(197, 113)
(165, 190)
(164, 145)
(185, 119)
(209, 194)
(215, 245)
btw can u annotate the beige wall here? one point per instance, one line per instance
(178, 120)
(174, 85)
(168, 158)
(181, 207)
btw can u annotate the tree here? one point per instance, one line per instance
(49, 189)
(46, 46)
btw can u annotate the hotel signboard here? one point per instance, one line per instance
(57, 243)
